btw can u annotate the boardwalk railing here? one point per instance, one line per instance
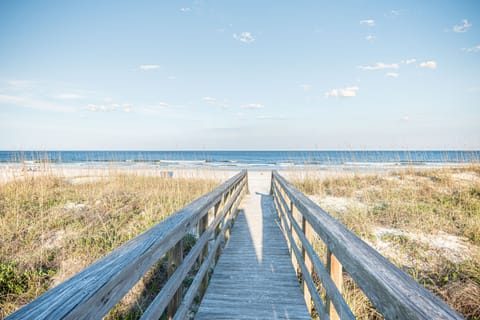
(91, 293)
(393, 293)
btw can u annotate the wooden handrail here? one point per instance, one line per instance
(91, 293)
(393, 293)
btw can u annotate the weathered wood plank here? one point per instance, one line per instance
(392, 291)
(157, 306)
(202, 273)
(91, 293)
(175, 258)
(335, 270)
(327, 282)
(254, 277)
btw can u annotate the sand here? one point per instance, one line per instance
(89, 174)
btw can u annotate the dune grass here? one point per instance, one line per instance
(52, 227)
(427, 222)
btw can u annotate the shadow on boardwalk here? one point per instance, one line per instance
(254, 278)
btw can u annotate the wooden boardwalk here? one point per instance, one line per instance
(254, 277)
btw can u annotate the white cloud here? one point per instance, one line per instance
(215, 102)
(409, 61)
(395, 12)
(380, 66)
(33, 103)
(370, 37)
(428, 64)
(20, 83)
(245, 37)
(472, 49)
(306, 87)
(343, 92)
(405, 118)
(109, 107)
(271, 118)
(68, 96)
(163, 105)
(463, 27)
(148, 67)
(253, 106)
(185, 9)
(368, 22)
(392, 74)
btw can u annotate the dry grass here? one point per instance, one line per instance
(427, 222)
(51, 228)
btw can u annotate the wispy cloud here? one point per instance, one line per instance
(380, 66)
(368, 22)
(392, 74)
(159, 108)
(215, 102)
(428, 64)
(185, 9)
(343, 92)
(472, 49)
(20, 83)
(409, 61)
(463, 27)
(109, 107)
(245, 37)
(370, 37)
(34, 103)
(394, 13)
(266, 117)
(68, 96)
(253, 106)
(149, 67)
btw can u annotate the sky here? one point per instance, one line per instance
(243, 75)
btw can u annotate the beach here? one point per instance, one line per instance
(424, 218)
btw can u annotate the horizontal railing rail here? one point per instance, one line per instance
(93, 292)
(392, 292)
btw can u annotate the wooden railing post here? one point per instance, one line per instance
(335, 270)
(217, 208)
(175, 258)
(202, 226)
(307, 231)
(293, 210)
(93, 292)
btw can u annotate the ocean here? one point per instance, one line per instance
(242, 159)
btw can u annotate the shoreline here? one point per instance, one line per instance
(10, 171)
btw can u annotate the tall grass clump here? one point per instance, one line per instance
(52, 227)
(425, 221)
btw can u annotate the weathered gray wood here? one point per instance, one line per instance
(254, 277)
(202, 274)
(175, 258)
(306, 277)
(327, 282)
(91, 293)
(157, 306)
(394, 294)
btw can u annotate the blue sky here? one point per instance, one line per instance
(203, 75)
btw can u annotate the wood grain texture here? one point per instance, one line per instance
(320, 270)
(157, 306)
(392, 291)
(91, 293)
(254, 277)
(202, 274)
